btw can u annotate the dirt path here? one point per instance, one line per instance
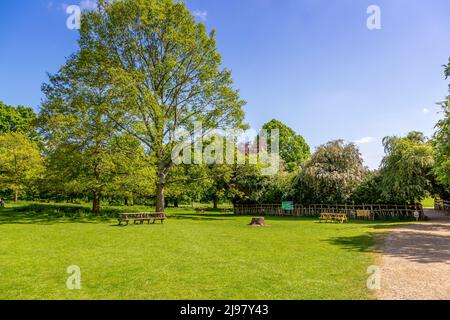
(415, 260)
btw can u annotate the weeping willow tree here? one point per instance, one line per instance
(407, 168)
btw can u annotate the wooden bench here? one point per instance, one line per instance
(333, 217)
(142, 217)
(365, 214)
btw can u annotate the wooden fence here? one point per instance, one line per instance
(441, 205)
(378, 211)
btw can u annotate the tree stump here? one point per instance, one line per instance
(258, 222)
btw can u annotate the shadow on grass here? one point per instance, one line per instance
(48, 214)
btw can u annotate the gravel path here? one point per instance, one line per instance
(415, 262)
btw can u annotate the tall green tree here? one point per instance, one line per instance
(332, 174)
(293, 148)
(21, 164)
(441, 141)
(164, 73)
(407, 168)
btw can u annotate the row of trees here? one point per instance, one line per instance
(123, 172)
(145, 69)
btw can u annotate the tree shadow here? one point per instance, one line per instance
(47, 215)
(199, 217)
(412, 242)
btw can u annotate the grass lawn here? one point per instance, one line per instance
(210, 256)
(428, 203)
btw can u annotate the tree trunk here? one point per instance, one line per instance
(16, 195)
(160, 187)
(175, 203)
(126, 201)
(96, 202)
(216, 202)
(160, 200)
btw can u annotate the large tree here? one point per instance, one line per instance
(21, 164)
(163, 71)
(332, 174)
(293, 148)
(406, 169)
(442, 140)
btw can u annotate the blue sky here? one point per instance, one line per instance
(312, 64)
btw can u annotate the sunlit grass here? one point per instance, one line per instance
(210, 256)
(428, 203)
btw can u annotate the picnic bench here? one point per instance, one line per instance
(142, 217)
(365, 214)
(333, 217)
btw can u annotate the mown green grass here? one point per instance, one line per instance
(210, 256)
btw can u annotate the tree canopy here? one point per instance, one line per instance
(293, 148)
(21, 164)
(331, 175)
(17, 119)
(441, 140)
(163, 73)
(407, 168)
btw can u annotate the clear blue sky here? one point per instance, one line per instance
(312, 64)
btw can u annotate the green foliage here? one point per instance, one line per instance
(86, 151)
(163, 73)
(20, 119)
(293, 148)
(279, 187)
(331, 175)
(447, 69)
(370, 190)
(21, 165)
(248, 185)
(407, 168)
(441, 141)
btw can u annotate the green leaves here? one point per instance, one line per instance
(160, 71)
(293, 148)
(441, 141)
(331, 175)
(21, 165)
(406, 168)
(20, 119)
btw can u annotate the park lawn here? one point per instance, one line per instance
(210, 256)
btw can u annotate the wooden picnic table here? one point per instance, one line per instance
(333, 217)
(142, 217)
